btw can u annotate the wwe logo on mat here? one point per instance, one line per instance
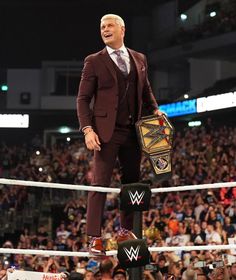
(132, 253)
(136, 197)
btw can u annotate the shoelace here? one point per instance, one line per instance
(123, 231)
(92, 240)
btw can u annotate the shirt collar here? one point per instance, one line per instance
(122, 48)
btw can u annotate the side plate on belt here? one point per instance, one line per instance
(155, 134)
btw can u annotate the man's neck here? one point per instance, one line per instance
(106, 276)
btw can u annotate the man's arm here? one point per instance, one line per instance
(87, 89)
(148, 96)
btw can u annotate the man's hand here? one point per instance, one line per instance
(157, 112)
(91, 139)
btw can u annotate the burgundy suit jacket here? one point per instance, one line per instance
(97, 100)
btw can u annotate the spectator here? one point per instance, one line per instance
(106, 268)
(189, 274)
(228, 227)
(76, 276)
(198, 236)
(233, 272)
(212, 237)
(61, 233)
(88, 275)
(119, 274)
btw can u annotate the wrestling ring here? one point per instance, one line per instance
(115, 190)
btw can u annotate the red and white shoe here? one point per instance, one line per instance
(96, 247)
(125, 235)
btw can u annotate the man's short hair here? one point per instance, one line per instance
(76, 276)
(117, 18)
(106, 266)
(119, 270)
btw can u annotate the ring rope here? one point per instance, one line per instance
(50, 252)
(113, 190)
(114, 252)
(116, 190)
(57, 185)
(194, 187)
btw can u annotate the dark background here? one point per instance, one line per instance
(32, 31)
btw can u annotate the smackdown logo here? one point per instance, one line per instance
(179, 108)
(132, 253)
(136, 198)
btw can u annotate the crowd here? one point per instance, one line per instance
(200, 155)
(224, 21)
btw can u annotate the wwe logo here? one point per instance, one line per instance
(136, 197)
(132, 253)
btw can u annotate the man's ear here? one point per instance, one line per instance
(123, 29)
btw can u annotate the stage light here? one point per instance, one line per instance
(68, 139)
(194, 123)
(212, 14)
(186, 96)
(37, 153)
(4, 87)
(183, 17)
(14, 120)
(64, 129)
(40, 169)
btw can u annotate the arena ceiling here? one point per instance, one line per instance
(36, 30)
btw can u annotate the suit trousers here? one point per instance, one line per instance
(124, 147)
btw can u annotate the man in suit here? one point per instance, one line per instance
(115, 82)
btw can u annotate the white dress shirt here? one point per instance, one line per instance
(123, 53)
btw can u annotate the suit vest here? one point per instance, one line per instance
(127, 86)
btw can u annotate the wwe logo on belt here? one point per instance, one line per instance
(136, 197)
(132, 253)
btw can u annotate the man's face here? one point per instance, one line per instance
(89, 276)
(201, 277)
(217, 274)
(210, 228)
(112, 33)
(233, 270)
(119, 277)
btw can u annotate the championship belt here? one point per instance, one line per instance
(155, 134)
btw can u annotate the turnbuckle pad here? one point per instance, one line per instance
(135, 197)
(133, 253)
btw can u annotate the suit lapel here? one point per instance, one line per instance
(138, 67)
(108, 62)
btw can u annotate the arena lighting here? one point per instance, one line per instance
(216, 102)
(4, 87)
(14, 121)
(186, 96)
(200, 105)
(179, 108)
(40, 169)
(68, 139)
(194, 123)
(37, 153)
(212, 14)
(64, 129)
(183, 17)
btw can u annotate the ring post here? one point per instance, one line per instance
(136, 272)
(134, 254)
